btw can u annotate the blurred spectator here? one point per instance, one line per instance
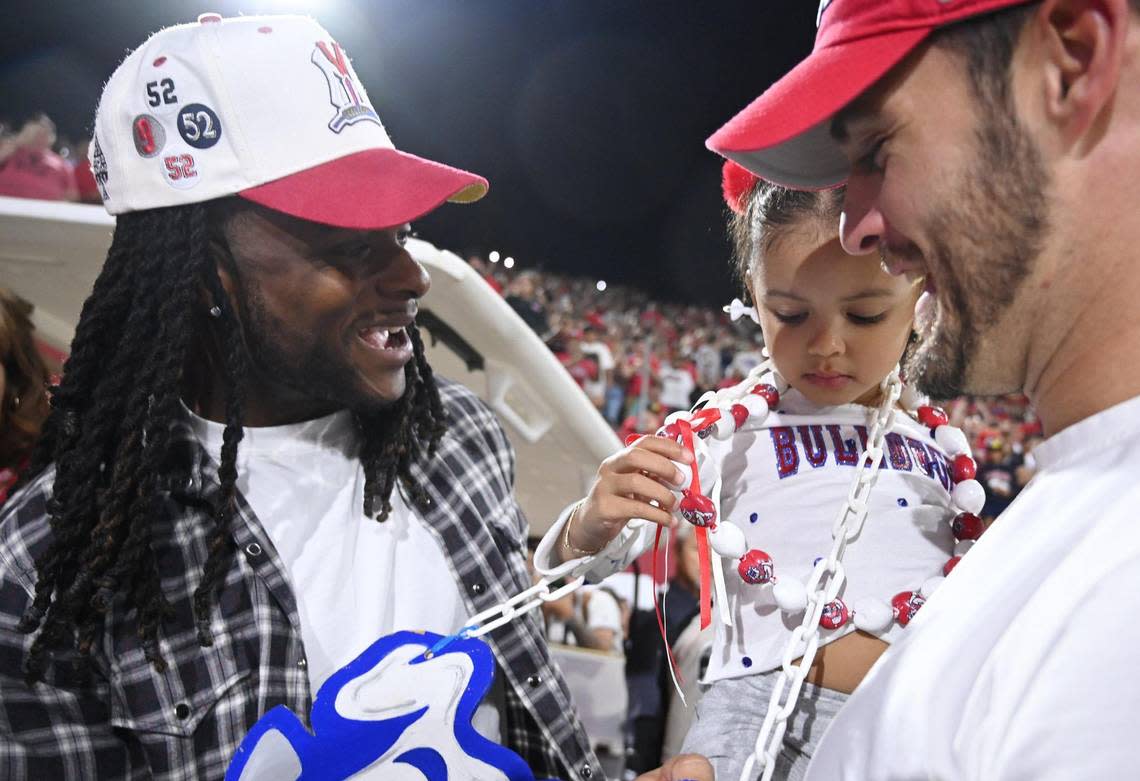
(996, 474)
(1028, 467)
(583, 368)
(522, 295)
(707, 357)
(588, 618)
(747, 359)
(594, 347)
(23, 389)
(677, 386)
(30, 169)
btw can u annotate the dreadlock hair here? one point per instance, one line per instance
(110, 430)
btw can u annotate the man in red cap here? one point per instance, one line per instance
(250, 472)
(993, 148)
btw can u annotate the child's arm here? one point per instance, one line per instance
(627, 483)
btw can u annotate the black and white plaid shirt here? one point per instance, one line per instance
(118, 718)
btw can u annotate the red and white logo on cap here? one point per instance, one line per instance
(344, 93)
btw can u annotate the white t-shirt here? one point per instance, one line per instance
(784, 481)
(305, 483)
(601, 353)
(1023, 665)
(677, 387)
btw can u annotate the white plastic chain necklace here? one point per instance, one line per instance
(823, 586)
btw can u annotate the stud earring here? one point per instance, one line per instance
(215, 311)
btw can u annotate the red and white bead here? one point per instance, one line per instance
(698, 510)
(967, 526)
(963, 467)
(769, 393)
(932, 417)
(905, 605)
(756, 567)
(835, 614)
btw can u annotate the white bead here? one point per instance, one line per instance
(873, 616)
(930, 585)
(686, 475)
(952, 440)
(790, 595)
(728, 541)
(962, 547)
(708, 473)
(969, 496)
(725, 427)
(757, 407)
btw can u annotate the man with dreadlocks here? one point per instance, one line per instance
(249, 472)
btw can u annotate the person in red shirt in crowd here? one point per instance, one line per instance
(30, 169)
(582, 368)
(23, 389)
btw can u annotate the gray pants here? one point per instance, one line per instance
(729, 715)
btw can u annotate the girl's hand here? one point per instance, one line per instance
(627, 483)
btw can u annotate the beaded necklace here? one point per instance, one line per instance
(719, 415)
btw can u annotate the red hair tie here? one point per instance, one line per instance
(737, 182)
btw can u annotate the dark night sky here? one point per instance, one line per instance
(587, 116)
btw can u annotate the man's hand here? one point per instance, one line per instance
(685, 767)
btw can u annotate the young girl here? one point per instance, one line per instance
(835, 326)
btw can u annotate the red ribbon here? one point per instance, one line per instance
(702, 532)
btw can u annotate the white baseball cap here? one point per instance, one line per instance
(265, 107)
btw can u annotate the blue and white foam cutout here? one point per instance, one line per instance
(388, 714)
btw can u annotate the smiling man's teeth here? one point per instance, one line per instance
(375, 337)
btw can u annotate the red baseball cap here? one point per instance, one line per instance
(784, 135)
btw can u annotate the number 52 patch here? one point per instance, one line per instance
(179, 171)
(199, 126)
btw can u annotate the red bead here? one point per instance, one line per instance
(739, 414)
(906, 604)
(768, 393)
(756, 567)
(835, 614)
(967, 526)
(949, 566)
(932, 417)
(698, 510)
(965, 468)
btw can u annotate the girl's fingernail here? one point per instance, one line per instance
(678, 476)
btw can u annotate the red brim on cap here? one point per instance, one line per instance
(784, 136)
(369, 190)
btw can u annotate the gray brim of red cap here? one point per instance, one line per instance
(369, 190)
(784, 136)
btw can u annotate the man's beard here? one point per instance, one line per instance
(984, 242)
(313, 374)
